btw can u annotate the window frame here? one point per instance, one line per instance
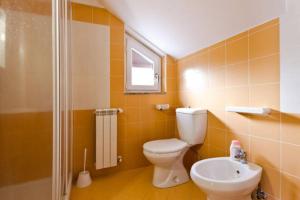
(133, 44)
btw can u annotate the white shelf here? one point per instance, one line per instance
(249, 110)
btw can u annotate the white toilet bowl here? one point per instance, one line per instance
(167, 157)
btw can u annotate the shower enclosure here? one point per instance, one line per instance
(35, 100)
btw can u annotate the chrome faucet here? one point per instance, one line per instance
(241, 156)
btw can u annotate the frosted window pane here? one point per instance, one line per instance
(142, 69)
(142, 76)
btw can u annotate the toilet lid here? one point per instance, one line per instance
(164, 146)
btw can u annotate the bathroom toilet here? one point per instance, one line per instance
(167, 155)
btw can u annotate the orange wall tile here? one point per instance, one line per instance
(237, 50)
(260, 67)
(244, 70)
(290, 187)
(140, 122)
(82, 13)
(261, 43)
(217, 56)
(237, 74)
(100, 16)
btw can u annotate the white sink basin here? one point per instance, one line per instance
(225, 179)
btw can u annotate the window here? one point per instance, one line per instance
(143, 68)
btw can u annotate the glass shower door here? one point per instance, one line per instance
(35, 100)
(26, 105)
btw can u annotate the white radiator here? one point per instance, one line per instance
(106, 137)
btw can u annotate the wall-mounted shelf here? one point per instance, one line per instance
(249, 110)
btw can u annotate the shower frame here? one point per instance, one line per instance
(62, 101)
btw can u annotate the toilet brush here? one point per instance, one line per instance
(84, 178)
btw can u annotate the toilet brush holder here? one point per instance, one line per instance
(84, 177)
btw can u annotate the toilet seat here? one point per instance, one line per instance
(165, 146)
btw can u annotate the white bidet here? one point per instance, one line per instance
(225, 179)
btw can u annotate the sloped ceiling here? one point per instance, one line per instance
(181, 27)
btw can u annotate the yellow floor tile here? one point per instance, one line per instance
(134, 185)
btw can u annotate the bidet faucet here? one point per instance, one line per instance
(241, 156)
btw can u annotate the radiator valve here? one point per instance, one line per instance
(120, 159)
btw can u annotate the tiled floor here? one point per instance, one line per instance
(134, 185)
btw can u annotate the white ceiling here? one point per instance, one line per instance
(181, 27)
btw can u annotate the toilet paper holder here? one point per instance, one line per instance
(162, 107)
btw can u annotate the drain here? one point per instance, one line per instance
(237, 171)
